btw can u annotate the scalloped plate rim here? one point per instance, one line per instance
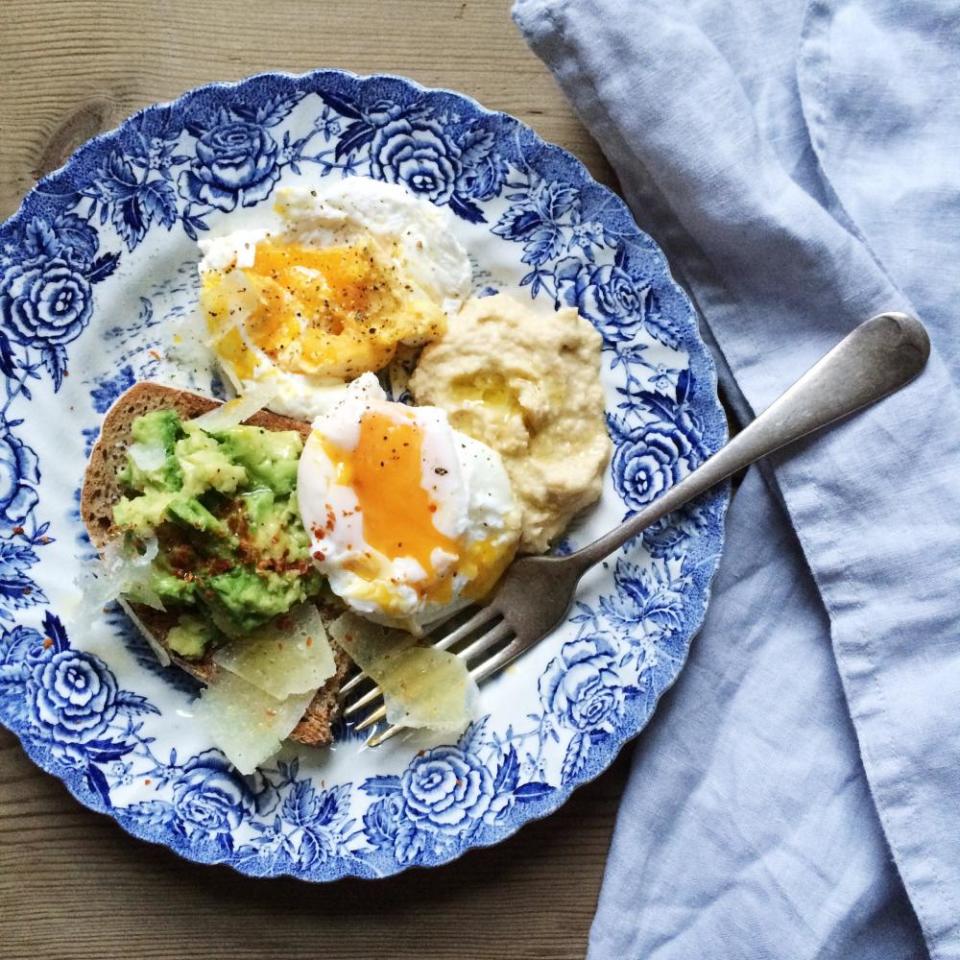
(714, 536)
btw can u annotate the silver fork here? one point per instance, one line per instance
(874, 360)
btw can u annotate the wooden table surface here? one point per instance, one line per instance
(72, 883)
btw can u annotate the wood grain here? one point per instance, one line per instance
(72, 884)
(70, 70)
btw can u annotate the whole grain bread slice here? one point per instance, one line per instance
(101, 491)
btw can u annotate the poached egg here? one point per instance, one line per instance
(408, 518)
(342, 279)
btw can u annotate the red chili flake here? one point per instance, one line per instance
(309, 642)
(155, 354)
(147, 781)
(47, 643)
(319, 555)
(18, 530)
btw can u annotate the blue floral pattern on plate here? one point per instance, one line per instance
(100, 261)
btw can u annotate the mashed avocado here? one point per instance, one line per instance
(191, 636)
(233, 553)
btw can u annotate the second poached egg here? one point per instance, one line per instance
(408, 518)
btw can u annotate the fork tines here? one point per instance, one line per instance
(482, 632)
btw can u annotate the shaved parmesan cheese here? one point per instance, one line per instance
(433, 689)
(119, 572)
(235, 411)
(246, 723)
(291, 654)
(369, 645)
(159, 650)
(422, 686)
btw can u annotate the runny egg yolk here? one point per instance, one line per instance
(331, 311)
(384, 471)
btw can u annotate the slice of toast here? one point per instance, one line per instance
(101, 491)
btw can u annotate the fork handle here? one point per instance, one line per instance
(877, 358)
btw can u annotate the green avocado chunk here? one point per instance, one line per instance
(274, 527)
(233, 552)
(251, 598)
(142, 515)
(205, 465)
(192, 636)
(194, 514)
(172, 590)
(154, 436)
(270, 456)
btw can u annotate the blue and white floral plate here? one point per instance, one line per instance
(97, 265)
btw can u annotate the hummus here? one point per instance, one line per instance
(528, 385)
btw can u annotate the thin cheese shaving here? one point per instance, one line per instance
(119, 572)
(236, 411)
(159, 650)
(246, 723)
(291, 654)
(422, 687)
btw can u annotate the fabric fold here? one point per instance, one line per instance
(885, 127)
(734, 838)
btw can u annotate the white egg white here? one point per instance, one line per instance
(423, 232)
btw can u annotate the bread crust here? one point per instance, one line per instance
(101, 491)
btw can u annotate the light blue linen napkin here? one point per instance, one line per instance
(798, 793)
